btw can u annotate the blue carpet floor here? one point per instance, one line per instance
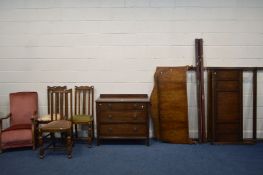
(136, 159)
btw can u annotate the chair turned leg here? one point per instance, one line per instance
(92, 125)
(76, 131)
(41, 145)
(69, 145)
(90, 133)
(52, 135)
(72, 134)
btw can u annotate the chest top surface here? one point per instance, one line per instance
(124, 98)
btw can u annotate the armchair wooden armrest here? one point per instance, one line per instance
(6, 117)
(3, 118)
(34, 118)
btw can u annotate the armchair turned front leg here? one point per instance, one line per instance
(34, 126)
(1, 125)
(0, 143)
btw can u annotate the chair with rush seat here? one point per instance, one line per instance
(22, 116)
(44, 119)
(84, 110)
(61, 113)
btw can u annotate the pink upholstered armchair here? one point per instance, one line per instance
(23, 112)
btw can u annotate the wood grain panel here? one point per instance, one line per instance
(225, 107)
(169, 105)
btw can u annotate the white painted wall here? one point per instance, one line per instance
(116, 45)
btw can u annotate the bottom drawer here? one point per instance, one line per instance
(123, 130)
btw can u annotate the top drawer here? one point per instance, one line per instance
(121, 106)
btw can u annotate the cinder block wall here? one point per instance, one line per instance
(116, 45)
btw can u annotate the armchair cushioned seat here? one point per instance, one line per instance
(16, 127)
(17, 135)
(15, 138)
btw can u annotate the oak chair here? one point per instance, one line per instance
(22, 116)
(61, 113)
(47, 118)
(44, 119)
(84, 110)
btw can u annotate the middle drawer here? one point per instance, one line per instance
(123, 117)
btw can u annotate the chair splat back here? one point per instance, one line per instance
(61, 104)
(49, 90)
(84, 98)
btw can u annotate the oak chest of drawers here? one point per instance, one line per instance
(122, 116)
